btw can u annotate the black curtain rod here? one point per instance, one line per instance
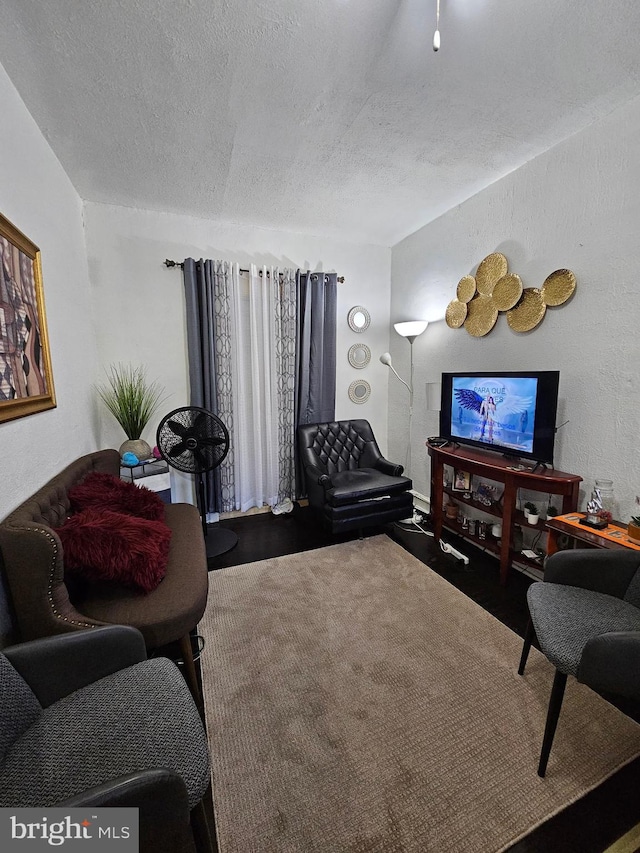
(170, 264)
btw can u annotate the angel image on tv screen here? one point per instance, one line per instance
(496, 411)
(509, 412)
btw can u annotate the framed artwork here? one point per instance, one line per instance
(461, 481)
(26, 380)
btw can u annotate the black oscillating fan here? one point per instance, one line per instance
(194, 440)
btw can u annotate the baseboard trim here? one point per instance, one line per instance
(256, 510)
(421, 502)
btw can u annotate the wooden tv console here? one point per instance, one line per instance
(495, 468)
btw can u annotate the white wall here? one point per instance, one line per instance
(576, 206)
(140, 303)
(38, 198)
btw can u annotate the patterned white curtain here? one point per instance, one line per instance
(242, 365)
(262, 378)
(225, 281)
(285, 337)
(254, 333)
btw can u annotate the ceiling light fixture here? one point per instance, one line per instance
(436, 35)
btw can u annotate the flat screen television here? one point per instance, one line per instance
(510, 412)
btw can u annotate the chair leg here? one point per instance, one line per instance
(528, 639)
(204, 835)
(555, 703)
(190, 673)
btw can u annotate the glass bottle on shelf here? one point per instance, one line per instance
(605, 487)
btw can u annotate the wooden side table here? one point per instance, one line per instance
(586, 535)
(153, 474)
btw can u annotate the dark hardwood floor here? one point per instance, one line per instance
(588, 826)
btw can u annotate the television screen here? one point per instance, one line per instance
(511, 412)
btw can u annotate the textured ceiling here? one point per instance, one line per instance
(331, 117)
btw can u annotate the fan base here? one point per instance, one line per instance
(219, 540)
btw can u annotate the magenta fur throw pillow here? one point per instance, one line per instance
(102, 545)
(109, 492)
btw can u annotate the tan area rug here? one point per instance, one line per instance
(356, 701)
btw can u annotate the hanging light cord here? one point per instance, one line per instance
(436, 35)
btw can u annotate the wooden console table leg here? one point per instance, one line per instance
(437, 483)
(570, 501)
(552, 542)
(508, 509)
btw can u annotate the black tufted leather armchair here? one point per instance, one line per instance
(348, 480)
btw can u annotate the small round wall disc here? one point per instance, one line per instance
(507, 291)
(528, 312)
(481, 316)
(466, 288)
(455, 314)
(558, 287)
(490, 271)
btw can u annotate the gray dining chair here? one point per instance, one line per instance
(586, 617)
(87, 720)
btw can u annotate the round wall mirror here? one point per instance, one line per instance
(359, 355)
(359, 318)
(359, 391)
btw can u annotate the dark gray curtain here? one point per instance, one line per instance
(316, 347)
(201, 347)
(317, 297)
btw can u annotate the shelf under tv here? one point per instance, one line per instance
(494, 467)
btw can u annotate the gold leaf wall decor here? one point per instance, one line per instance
(490, 271)
(481, 316)
(456, 314)
(529, 311)
(466, 288)
(558, 287)
(493, 290)
(507, 291)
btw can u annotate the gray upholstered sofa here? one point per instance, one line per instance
(44, 603)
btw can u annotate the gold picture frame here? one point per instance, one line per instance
(26, 378)
(461, 481)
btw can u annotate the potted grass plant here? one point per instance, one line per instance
(132, 400)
